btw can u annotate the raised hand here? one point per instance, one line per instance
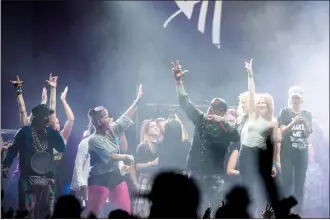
(17, 82)
(248, 66)
(52, 81)
(64, 93)
(207, 213)
(44, 96)
(140, 93)
(177, 70)
(215, 118)
(268, 213)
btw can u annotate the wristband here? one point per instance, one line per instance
(250, 75)
(19, 90)
(274, 163)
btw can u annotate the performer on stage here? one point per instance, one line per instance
(11, 193)
(105, 179)
(146, 160)
(260, 125)
(35, 144)
(296, 127)
(174, 149)
(81, 167)
(65, 132)
(211, 140)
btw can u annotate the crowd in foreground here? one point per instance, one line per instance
(254, 139)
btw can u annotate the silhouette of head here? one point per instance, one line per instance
(67, 206)
(119, 214)
(236, 206)
(173, 196)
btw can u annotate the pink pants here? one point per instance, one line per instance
(98, 195)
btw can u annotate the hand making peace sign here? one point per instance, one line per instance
(248, 67)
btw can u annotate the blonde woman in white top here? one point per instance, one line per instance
(260, 125)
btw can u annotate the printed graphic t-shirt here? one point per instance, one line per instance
(295, 137)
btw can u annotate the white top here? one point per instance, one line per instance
(82, 166)
(257, 131)
(243, 133)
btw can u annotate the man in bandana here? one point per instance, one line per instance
(212, 136)
(35, 144)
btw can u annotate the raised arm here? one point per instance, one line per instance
(124, 122)
(251, 87)
(69, 116)
(52, 81)
(44, 97)
(20, 101)
(185, 135)
(191, 111)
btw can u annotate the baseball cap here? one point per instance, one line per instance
(218, 103)
(296, 91)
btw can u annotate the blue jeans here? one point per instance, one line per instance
(11, 193)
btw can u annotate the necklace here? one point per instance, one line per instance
(39, 145)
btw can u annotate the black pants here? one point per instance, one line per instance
(250, 178)
(38, 200)
(294, 164)
(60, 175)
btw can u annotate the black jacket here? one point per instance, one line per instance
(210, 142)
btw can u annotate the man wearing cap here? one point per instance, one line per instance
(296, 126)
(35, 144)
(212, 136)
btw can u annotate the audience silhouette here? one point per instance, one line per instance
(173, 195)
(119, 214)
(67, 207)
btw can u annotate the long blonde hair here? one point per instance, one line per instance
(241, 97)
(270, 105)
(144, 131)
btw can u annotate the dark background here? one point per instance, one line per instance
(101, 50)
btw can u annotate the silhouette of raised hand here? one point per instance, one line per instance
(207, 213)
(268, 213)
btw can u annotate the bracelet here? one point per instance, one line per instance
(19, 90)
(274, 164)
(250, 75)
